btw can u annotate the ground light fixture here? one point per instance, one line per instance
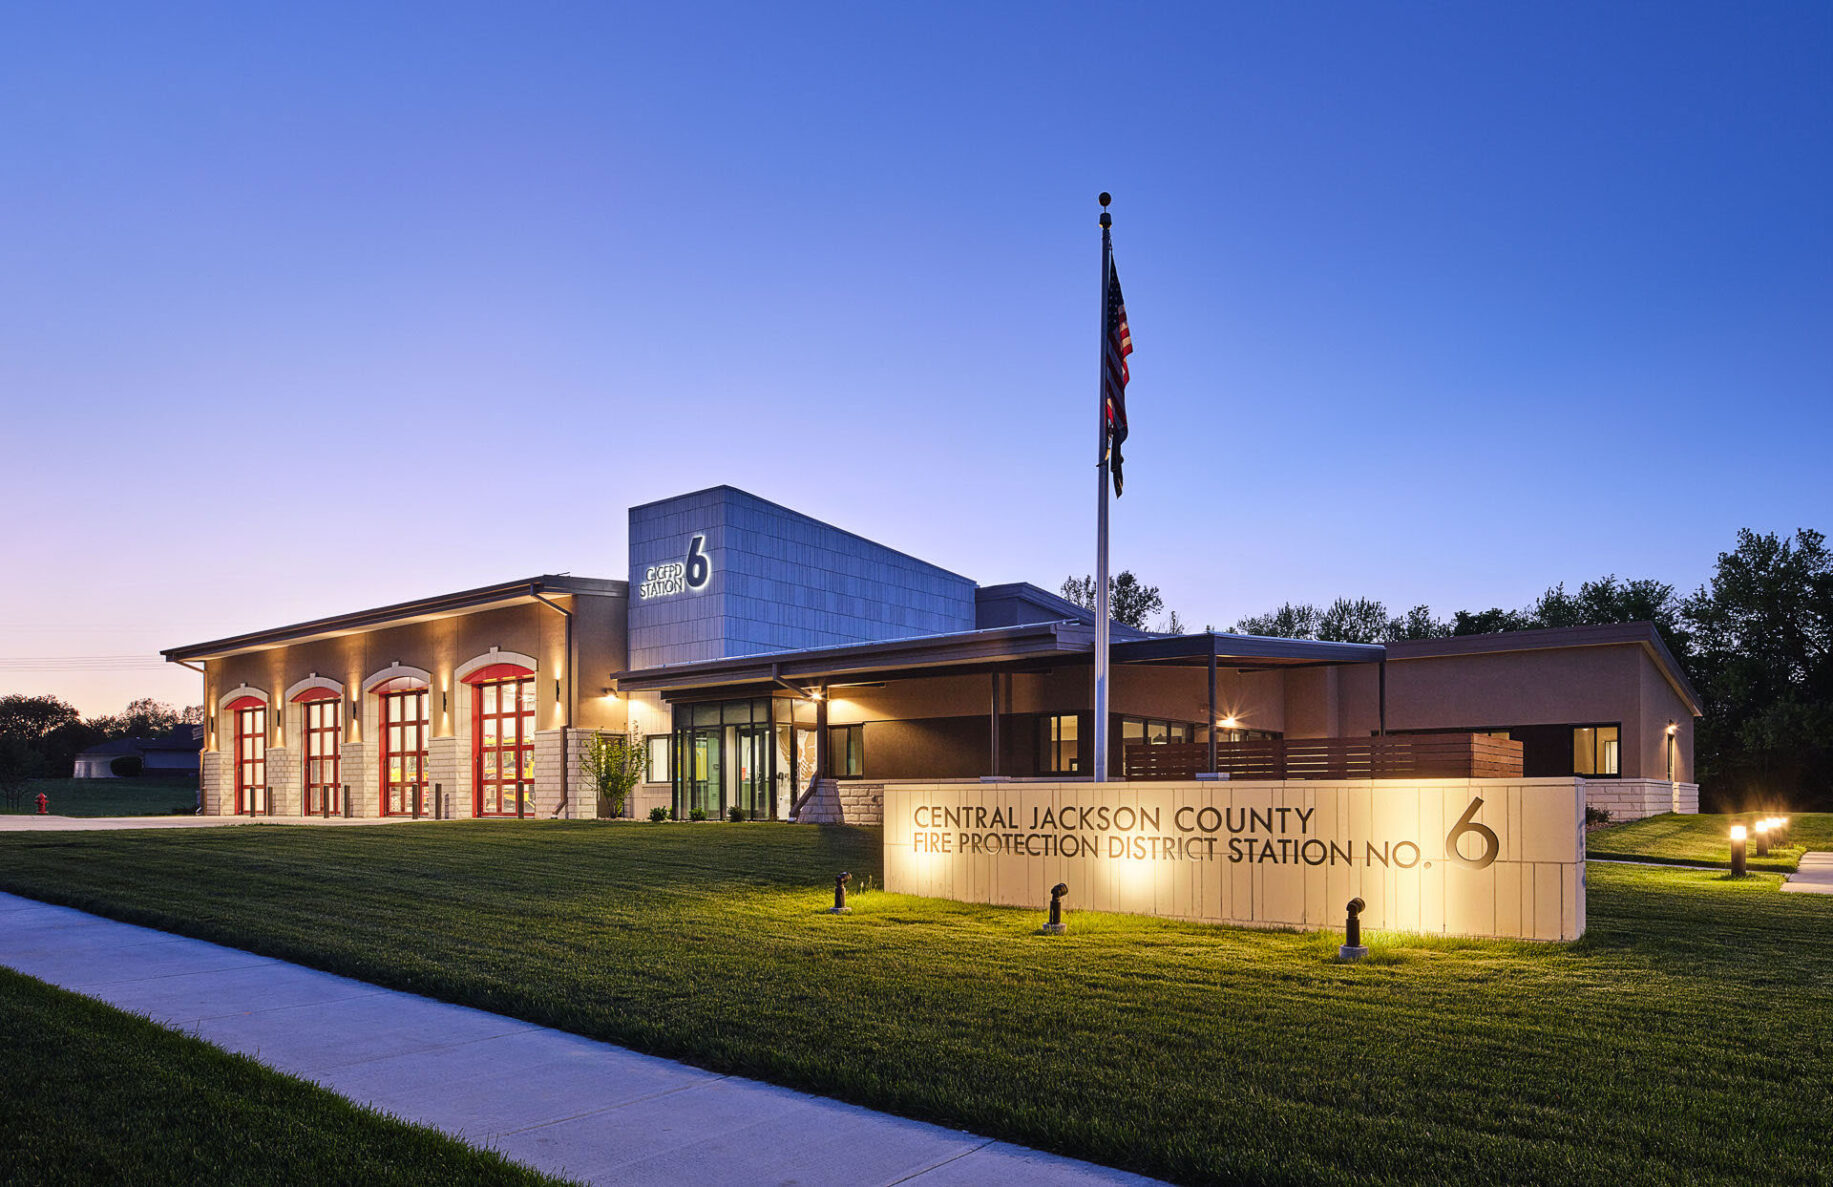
(1762, 831)
(1782, 823)
(1737, 851)
(1353, 948)
(840, 907)
(1056, 926)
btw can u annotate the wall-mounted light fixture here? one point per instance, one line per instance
(610, 694)
(1229, 722)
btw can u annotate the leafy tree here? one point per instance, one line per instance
(1490, 622)
(1762, 635)
(1290, 621)
(144, 718)
(17, 764)
(614, 763)
(1357, 621)
(31, 719)
(1418, 623)
(1130, 601)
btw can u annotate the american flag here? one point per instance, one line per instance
(1116, 345)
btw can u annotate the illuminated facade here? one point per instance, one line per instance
(783, 667)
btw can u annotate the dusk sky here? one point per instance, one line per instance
(313, 308)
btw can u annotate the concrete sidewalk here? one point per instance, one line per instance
(1814, 875)
(551, 1100)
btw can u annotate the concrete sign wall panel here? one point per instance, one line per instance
(1472, 857)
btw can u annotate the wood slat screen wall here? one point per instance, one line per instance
(1412, 756)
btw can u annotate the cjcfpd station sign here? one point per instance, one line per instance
(1478, 857)
(677, 577)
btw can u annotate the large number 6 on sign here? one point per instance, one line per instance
(1492, 845)
(699, 568)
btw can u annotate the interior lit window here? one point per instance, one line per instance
(1596, 749)
(846, 750)
(1059, 735)
(658, 748)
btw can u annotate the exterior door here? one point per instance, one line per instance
(751, 770)
(251, 760)
(702, 768)
(505, 747)
(404, 731)
(323, 720)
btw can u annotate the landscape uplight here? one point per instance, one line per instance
(1737, 851)
(1353, 948)
(840, 907)
(1056, 926)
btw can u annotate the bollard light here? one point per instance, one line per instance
(1056, 926)
(1782, 823)
(1737, 851)
(1762, 829)
(1352, 948)
(840, 907)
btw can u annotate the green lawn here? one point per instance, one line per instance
(1706, 840)
(95, 1095)
(143, 796)
(1688, 1038)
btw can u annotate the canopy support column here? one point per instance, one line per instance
(1212, 704)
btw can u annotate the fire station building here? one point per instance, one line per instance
(786, 668)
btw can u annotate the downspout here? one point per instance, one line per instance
(534, 591)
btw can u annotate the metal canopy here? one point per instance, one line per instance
(1245, 651)
(1001, 648)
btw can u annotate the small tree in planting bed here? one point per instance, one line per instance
(615, 763)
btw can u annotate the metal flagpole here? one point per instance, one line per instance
(1101, 596)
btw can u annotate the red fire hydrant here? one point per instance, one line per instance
(44, 803)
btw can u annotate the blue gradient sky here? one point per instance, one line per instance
(311, 310)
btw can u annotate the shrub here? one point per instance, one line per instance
(697, 814)
(736, 814)
(658, 814)
(615, 764)
(127, 766)
(1596, 815)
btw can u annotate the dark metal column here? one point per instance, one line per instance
(1212, 704)
(1383, 696)
(993, 725)
(821, 747)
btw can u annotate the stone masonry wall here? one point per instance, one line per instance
(1634, 799)
(837, 801)
(210, 775)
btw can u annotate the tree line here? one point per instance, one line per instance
(40, 736)
(1756, 641)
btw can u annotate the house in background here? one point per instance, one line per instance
(175, 754)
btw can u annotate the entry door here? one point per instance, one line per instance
(703, 772)
(751, 770)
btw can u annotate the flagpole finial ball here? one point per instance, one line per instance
(1105, 198)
